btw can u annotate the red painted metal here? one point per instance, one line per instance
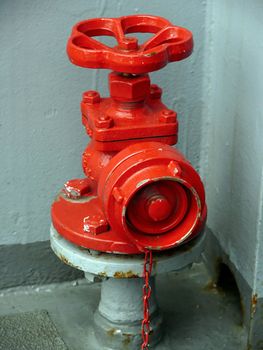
(169, 43)
(139, 193)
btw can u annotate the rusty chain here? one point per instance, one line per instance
(146, 328)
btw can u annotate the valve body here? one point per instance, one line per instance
(139, 192)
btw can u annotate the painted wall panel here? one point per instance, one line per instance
(233, 156)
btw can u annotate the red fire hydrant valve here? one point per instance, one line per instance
(139, 193)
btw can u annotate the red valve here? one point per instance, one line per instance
(139, 193)
(169, 43)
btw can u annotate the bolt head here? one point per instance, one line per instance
(95, 224)
(168, 116)
(76, 188)
(104, 122)
(91, 97)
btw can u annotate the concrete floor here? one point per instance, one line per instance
(197, 315)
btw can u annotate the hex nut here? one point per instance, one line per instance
(104, 122)
(91, 97)
(95, 224)
(129, 89)
(168, 116)
(76, 188)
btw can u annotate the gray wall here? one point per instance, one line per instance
(233, 154)
(41, 136)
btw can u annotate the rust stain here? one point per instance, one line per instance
(128, 274)
(102, 274)
(254, 302)
(127, 339)
(211, 287)
(151, 54)
(111, 332)
(66, 261)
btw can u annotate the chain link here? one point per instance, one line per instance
(146, 328)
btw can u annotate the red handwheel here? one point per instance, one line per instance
(169, 43)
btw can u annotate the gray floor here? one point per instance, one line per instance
(29, 331)
(197, 316)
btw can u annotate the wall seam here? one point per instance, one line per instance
(207, 95)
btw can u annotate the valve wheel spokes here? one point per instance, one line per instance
(169, 43)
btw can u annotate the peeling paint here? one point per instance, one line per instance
(102, 274)
(141, 183)
(84, 199)
(127, 339)
(150, 54)
(128, 274)
(123, 213)
(211, 287)
(67, 262)
(111, 332)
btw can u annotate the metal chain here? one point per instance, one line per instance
(147, 269)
